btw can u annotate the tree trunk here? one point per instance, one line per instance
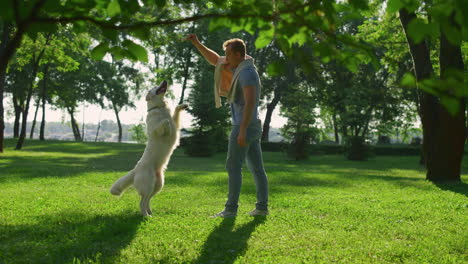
(2, 121)
(118, 121)
(83, 124)
(449, 146)
(443, 135)
(270, 108)
(186, 75)
(18, 111)
(43, 97)
(22, 136)
(74, 125)
(335, 129)
(38, 103)
(5, 39)
(36, 61)
(97, 131)
(98, 127)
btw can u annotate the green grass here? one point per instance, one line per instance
(55, 208)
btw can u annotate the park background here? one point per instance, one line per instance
(368, 97)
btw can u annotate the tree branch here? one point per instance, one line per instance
(107, 25)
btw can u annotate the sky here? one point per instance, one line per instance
(93, 113)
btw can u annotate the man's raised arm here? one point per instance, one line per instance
(210, 55)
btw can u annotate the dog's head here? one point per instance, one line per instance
(155, 96)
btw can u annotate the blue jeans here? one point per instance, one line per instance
(235, 159)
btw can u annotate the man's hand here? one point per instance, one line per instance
(242, 138)
(211, 56)
(192, 37)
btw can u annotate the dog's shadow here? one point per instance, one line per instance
(225, 244)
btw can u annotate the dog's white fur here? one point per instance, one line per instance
(163, 137)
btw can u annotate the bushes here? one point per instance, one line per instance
(205, 143)
(138, 133)
(334, 149)
(191, 144)
(357, 149)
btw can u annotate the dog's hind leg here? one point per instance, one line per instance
(159, 182)
(123, 183)
(144, 183)
(144, 205)
(157, 188)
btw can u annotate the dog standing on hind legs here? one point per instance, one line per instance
(163, 137)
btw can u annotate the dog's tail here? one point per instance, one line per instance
(123, 183)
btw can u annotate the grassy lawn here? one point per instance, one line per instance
(55, 208)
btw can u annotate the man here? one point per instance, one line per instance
(237, 78)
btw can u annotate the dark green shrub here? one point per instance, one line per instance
(383, 140)
(298, 149)
(357, 149)
(201, 144)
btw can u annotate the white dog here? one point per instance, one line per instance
(163, 137)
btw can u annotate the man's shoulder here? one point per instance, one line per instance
(248, 73)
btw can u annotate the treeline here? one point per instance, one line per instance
(107, 131)
(341, 68)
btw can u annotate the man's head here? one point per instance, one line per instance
(235, 51)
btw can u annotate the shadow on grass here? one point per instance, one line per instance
(456, 187)
(98, 157)
(123, 157)
(224, 244)
(66, 239)
(73, 146)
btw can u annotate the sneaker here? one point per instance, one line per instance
(224, 214)
(256, 212)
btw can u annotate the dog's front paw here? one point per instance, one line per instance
(182, 107)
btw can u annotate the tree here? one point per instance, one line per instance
(301, 129)
(36, 59)
(444, 128)
(115, 79)
(209, 124)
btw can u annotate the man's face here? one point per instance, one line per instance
(232, 58)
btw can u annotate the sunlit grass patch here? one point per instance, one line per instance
(55, 207)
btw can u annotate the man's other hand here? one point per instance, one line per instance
(192, 37)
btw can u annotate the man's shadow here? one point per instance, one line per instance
(225, 245)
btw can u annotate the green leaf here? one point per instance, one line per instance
(452, 33)
(359, 4)
(451, 104)
(136, 50)
(118, 53)
(110, 34)
(113, 8)
(418, 30)
(264, 38)
(276, 68)
(160, 3)
(6, 12)
(219, 23)
(80, 27)
(394, 5)
(143, 33)
(430, 86)
(300, 37)
(408, 80)
(36, 28)
(100, 51)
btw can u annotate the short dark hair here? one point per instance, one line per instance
(237, 45)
